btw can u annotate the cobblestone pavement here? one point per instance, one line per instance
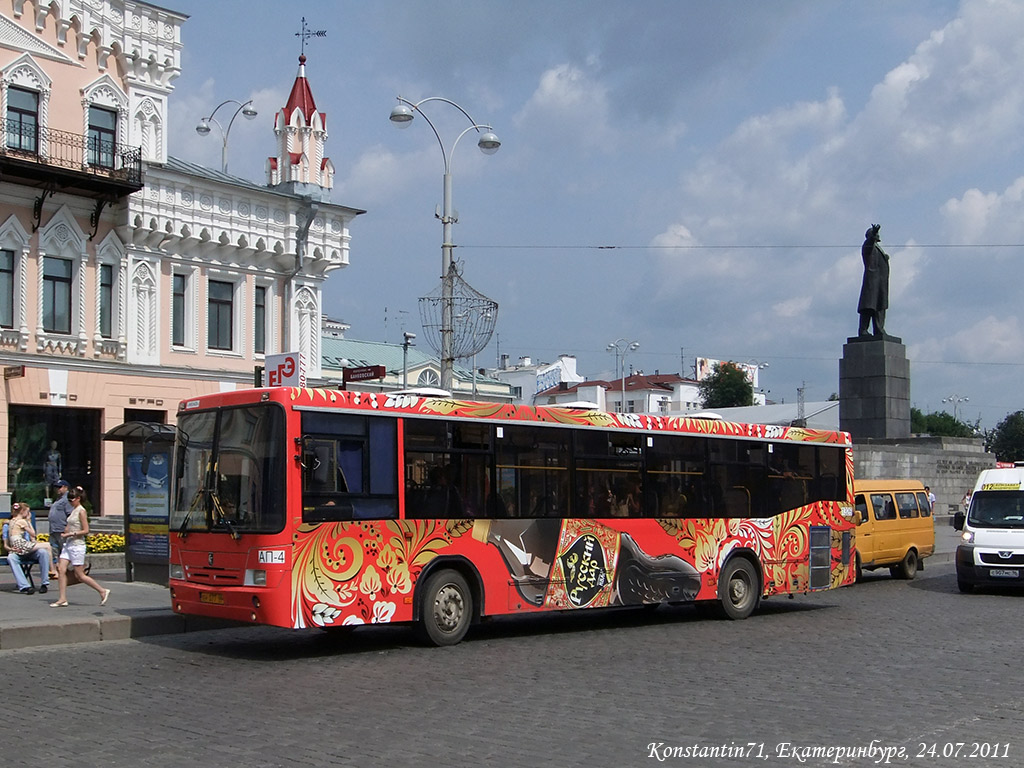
(883, 665)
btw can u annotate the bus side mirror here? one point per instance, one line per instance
(958, 520)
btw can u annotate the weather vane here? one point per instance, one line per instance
(306, 33)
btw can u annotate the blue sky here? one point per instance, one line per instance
(733, 153)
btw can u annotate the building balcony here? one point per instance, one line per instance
(60, 161)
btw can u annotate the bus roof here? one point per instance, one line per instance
(396, 404)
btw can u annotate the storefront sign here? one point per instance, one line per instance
(14, 371)
(287, 370)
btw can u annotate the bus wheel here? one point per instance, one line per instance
(907, 569)
(738, 589)
(447, 608)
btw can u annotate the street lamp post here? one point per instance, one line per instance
(755, 366)
(405, 357)
(955, 400)
(622, 347)
(203, 127)
(402, 115)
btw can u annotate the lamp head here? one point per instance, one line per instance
(203, 127)
(401, 115)
(488, 141)
(248, 112)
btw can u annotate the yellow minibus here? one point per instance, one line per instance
(894, 526)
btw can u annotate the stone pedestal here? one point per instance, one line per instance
(874, 388)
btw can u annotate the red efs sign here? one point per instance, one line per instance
(287, 370)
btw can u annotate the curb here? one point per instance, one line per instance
(144, 623)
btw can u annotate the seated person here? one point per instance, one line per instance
(22, 548)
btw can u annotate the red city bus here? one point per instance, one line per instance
(322, 508)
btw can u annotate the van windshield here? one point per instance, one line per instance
(997, 509)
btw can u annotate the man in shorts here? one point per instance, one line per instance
(58, 517)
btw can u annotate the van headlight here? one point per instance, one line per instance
(967, 537)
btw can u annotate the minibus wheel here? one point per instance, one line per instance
(739, 589)
(446, 610)
(907, 569)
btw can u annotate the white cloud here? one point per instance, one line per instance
(570, 108)
(987, 217)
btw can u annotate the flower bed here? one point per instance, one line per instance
(97, 542)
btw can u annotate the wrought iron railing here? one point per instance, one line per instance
(72, 151)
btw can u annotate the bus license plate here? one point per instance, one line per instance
(1004, 573)
(215, 598)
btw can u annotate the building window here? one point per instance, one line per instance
(22, 120)
(102, 136)
(179, 284)
(260, 321)
(106, 300)
(221, 310)
(56, 295)
(6, 289)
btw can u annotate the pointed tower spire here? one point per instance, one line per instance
(301, 132)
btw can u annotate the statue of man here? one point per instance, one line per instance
(874, 289)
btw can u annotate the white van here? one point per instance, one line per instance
(991, 550)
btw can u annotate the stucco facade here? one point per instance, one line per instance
(130, 280)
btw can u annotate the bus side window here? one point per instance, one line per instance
(923, 503)
(861, 506)
(907, 505)
(883, 505)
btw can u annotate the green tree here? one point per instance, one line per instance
(727, 387)
(939, 424)
(1006, 441)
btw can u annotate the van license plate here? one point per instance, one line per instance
(1004, 573)
(217, 599)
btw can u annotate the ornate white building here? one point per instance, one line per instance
(130, 280)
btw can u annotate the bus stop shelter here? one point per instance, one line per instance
(148, 454)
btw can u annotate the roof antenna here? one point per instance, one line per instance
(307, 33)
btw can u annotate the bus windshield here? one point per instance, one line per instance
(997, 509)
(230, 465)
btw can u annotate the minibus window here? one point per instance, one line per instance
(883, 505)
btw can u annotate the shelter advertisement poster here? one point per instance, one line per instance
(148, 505)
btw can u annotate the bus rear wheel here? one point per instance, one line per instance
(447, 608)
(738, 589)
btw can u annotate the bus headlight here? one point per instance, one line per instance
(255, 578)
(175, 571)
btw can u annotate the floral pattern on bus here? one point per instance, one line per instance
(348, 573)
(781, 545)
